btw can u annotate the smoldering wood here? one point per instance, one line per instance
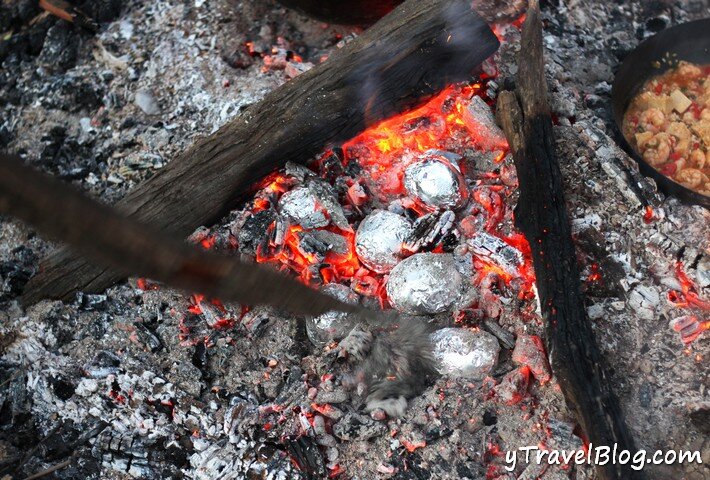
(129, 246)
(542, 217)
(410, 54)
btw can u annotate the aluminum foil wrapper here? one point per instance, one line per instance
(425, 283)
(379, 241)
(435, 182)
(465, 353)
(332, 325)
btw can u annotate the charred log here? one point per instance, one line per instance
(410, 54)
(542, 217)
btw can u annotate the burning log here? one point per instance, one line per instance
(126, 244)
(541, 215)
(410, 54)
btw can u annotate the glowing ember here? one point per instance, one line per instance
(410, 185)
(689, 326)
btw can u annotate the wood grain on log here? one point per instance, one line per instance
(541, 215)
(410, 54)
(113, 240)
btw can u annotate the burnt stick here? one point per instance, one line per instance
(108, 238)
(410, 54)
(542, 217)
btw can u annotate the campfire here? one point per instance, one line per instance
(421, 251)
(430, 180)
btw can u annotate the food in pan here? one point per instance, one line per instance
(668, 123)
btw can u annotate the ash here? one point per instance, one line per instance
(145, 382)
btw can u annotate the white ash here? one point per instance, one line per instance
(425, 283)
(379, 240)
(644, 300)
(146, 101)
(332, 325)
(435, 182)
(465, 353)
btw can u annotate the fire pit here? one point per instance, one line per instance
(416, 209)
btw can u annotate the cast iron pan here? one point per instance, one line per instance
(688, 41)
(346, 12)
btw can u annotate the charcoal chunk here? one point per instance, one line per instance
(430, 230)
(61, 48)
(255, 231)
(319, 243)
(305, 453)
(354, 426)
(103, 364)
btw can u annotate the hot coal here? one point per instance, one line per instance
(55, 122)
(255, 231)
(513, 387)
(530, 351)
(308, 457)
(303, 208)
(435, 182)
(425, 283)
(496, 251)
(318, 243)
(331, 326)
(465, 353)
(431, 230)
(480, 119)
(380, 239)
(313, 206)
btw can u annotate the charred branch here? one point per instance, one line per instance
(542, 216)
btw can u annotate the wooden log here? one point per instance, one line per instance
(410, 54)
(541, 215)
(113, 240)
